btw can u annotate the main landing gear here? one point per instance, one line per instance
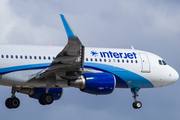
(136, 104)
(46, 99)
(13, 101)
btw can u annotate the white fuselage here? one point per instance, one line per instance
(132, 68)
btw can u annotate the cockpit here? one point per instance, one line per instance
(162, 62)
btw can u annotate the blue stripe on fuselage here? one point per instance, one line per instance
(124, 78)
(23, 67)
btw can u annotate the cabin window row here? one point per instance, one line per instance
(27, 57)
(111, 60)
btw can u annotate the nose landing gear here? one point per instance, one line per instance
(136, 104)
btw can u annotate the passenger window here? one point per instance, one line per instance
(127, 61)
(53, 58)
(44, 58)
(7, 56)
(109, 60)
(40, 57)
(30, 57)
(96, 59)
(118, 60)
(25, 57)
(35, 57)
(11, 56)
(49, 58)
(86, 59)
(104, 60)
(2, 56)
(21, 57)
(16, 57)
(131, 61)
(114, 60)
(136, 61)
(160, 62)
(100, 60)
(122, 61)
(91, 59)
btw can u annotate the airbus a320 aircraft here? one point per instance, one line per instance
(42, 72)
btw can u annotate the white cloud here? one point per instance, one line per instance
(17, 29)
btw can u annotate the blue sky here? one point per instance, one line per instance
(152, 26)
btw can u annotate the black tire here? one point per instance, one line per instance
(7, 103)
(40, 100)
(14, 102)
(47, 98)
(137, 105)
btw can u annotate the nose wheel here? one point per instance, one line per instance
(136, 104)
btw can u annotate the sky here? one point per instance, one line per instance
(149, 25)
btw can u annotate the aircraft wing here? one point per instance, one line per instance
(69, 61)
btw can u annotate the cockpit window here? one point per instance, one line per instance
(164, 63)
(160, 62)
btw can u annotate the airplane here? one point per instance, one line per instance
(43, 71)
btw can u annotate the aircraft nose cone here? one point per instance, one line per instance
(176, 76)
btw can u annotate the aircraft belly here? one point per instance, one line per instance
(20, 78)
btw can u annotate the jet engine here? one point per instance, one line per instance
(95, 83)
(36, 92)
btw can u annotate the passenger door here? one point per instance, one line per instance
(145, 63)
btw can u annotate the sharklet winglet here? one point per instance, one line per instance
(69, 31)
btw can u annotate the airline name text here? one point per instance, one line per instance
(118, 55)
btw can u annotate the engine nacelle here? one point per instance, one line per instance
(95, 83)
(36, 92)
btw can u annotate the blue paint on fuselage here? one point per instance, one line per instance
(124, 78)
(23, 67)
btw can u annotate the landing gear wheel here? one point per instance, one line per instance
(47, 98)
(137, 105)
(12, 102)
(7, 103)
(40, 100)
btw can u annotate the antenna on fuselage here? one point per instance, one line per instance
(132, 47)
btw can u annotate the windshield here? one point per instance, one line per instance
(162, 62)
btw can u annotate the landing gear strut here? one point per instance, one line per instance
(47, 98)
(13, 101)
(136, 104)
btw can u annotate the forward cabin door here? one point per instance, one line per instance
(145, 63)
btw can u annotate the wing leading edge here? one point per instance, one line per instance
(69, 62)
